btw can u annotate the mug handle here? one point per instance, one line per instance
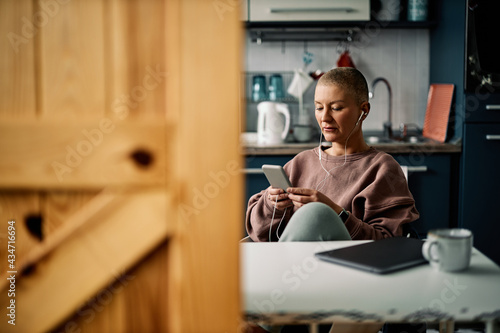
(426, 250)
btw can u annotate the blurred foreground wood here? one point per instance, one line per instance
(119, 125)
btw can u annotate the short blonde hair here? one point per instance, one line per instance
(349, 79)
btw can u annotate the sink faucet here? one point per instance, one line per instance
(388, 123)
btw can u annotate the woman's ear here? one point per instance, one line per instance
(365, 107)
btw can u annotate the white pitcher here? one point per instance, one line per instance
(273, 123)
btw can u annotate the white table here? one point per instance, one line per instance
(283, 283)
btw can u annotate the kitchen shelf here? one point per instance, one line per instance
(311, 34)
(324, 31)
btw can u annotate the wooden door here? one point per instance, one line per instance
(120, 189)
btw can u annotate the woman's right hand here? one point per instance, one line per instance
(282, 197)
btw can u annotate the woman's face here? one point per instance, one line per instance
(337, 112)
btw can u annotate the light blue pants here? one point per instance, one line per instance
(314, 221)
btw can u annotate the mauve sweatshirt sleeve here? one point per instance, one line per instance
(256, 221)
(383, 203)
(258, 218)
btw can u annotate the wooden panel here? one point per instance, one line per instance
(203, 54)
(135, 302)
(103, 312)
(104, 247)
(185, 56)
(17, 64)
(86, 155)
(147, 295)
(58, 206)
(71, 59)
(136, 64)
(16, 206)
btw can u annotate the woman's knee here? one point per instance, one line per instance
(315, 221)
(316, 212)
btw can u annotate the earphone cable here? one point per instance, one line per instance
(279, 224)
(328, 174)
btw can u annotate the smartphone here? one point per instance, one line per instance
(276, 176)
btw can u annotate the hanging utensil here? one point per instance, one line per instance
(345, 59)
(307, 56)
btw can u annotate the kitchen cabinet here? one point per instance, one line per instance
(431, 179)
(477, 121)
(324, 14)
(308, 11)
(480, 186)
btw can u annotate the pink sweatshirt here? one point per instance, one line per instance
(371, 186)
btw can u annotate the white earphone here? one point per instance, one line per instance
(362, 114)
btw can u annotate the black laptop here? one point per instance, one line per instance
(381, 256)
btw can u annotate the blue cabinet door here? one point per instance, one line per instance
(480, 193)
(429, 180)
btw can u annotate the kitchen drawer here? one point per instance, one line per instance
(308, 11)
(482, 107)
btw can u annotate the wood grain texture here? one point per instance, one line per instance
(58, 206)
(135, 58)
(84, 155)
(71, 59)
(86, 262)
(174, 64)
(17, 60)
(203, 53)
(16, 206)
(135, 302)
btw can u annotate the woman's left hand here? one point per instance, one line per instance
(301, 196)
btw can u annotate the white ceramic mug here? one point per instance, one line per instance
(448, 249)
